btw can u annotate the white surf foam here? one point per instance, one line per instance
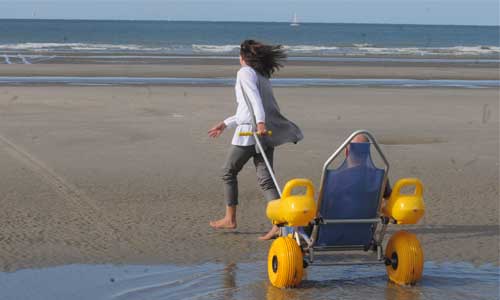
(361, 49)
(226, 49)
(310, 48)
(7, 60)
(363, 45)
(76, 46)
(364, 49)
(24, 60)
(476, 49)
(215, 48)
(451, 51)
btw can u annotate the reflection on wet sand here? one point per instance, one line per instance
(245, 281)
(396, 292)
(229, 280)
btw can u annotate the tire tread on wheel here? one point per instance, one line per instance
(285, 263)
(410, 258)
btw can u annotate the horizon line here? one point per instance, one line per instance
(226, 21)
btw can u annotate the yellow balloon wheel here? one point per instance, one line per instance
(285, 265)
(406, 257)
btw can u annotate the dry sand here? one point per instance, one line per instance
(128, 174)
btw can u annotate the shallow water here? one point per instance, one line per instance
(244, 281)
(283, 82)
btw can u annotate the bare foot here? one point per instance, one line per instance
(223, 224)
(271, 234)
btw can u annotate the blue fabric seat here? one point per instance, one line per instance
(352, 191)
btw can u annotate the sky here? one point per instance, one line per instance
(458, 12)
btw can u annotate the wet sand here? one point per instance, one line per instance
(127, 175)
(213, 68)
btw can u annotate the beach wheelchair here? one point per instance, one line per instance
(349, 215)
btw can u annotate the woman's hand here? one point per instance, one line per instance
(261, 129)
(217, 130)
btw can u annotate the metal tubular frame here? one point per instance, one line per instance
(268, 165)
(378, 240)
(257, 140)
(349, 221)
(310, 241)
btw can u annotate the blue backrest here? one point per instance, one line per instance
(352, 191)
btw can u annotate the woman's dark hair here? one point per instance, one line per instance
(265, 59)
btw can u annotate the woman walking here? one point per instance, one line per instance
(256, 107)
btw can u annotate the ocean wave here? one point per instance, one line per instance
(228, 49)
(310, 48)
(364, 49)
(361, 49)
(452, 51)
(215, 48)
(76, 47)
(363, 45)
(477, 49)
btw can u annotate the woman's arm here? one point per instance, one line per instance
(219, 127)
(217, 130)
(230, 122)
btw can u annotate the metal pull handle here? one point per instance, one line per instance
(249, 133)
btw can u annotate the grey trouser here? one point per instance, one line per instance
(236, 159)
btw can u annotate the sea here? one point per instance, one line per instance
(114, 42)
(220, 39)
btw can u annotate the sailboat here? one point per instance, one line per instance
(295, 22)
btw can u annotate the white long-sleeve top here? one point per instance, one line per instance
(242, 120)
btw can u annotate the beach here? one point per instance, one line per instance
(109, 179)
(126, 174)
